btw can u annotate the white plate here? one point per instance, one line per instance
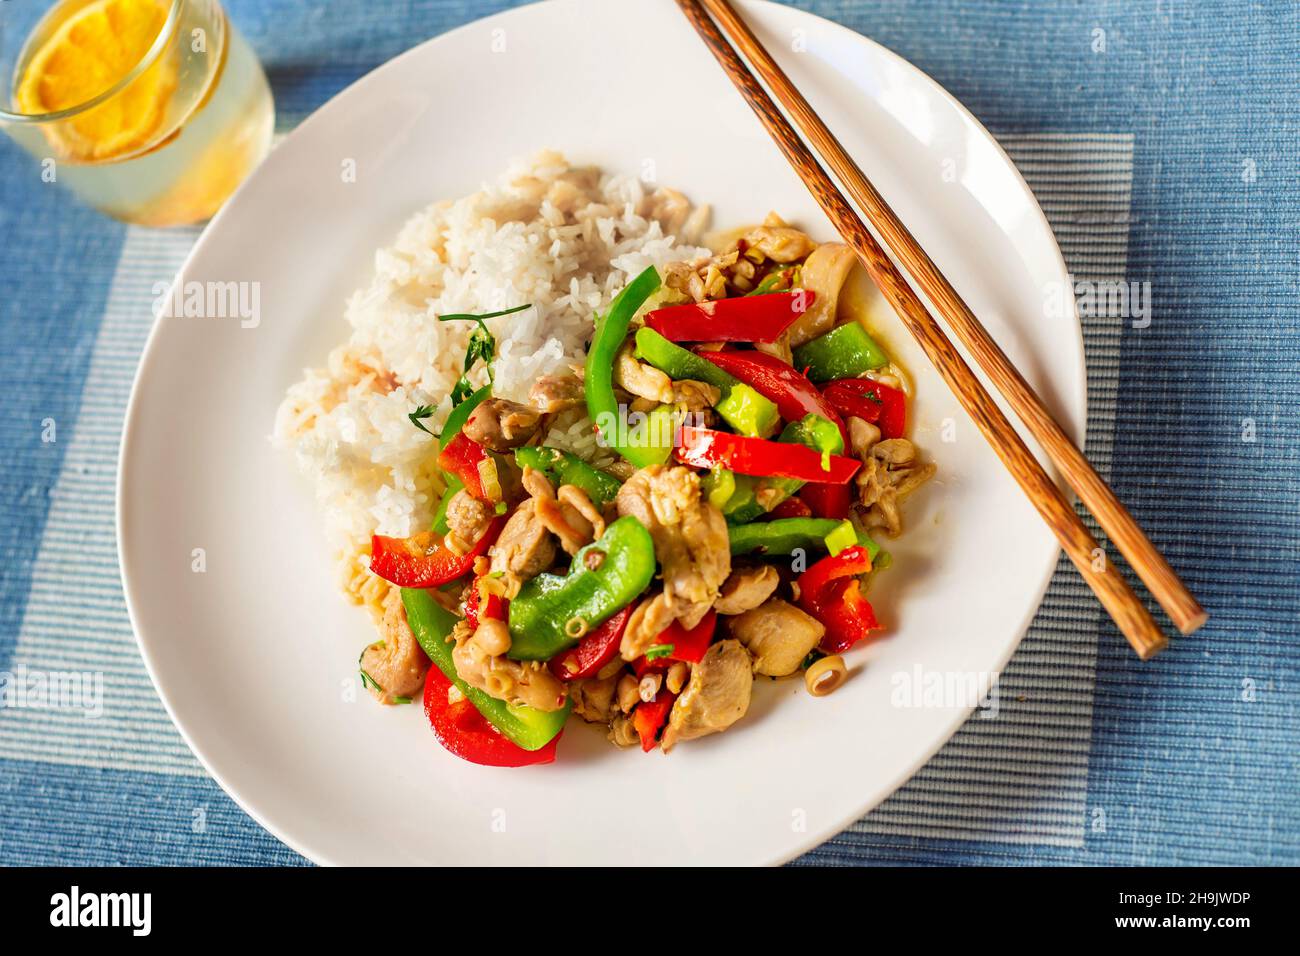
(251, 657)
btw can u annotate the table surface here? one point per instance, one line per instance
(1161, 139)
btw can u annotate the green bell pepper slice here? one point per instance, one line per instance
(784, 535)
(431, 623)
(844, 352)
(598, 376)
(606, 576)
(744, 409)
(564, 468)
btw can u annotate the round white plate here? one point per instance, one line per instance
(253, 656)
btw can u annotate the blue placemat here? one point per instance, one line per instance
(1161, 141)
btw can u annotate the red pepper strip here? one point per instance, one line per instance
(848, 616)
(461, 457)
(687, 645)
(594, 651)
(794, 395)
(496, 608)
(829, 591)
(705, 448)
(825, 501)
(795, 508)
(870, 401)
(424, 561)
(649, 717)
(466, 733)
(757, 318)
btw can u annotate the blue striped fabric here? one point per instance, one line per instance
(1161, 143)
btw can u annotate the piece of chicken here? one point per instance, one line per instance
(695, 397)
(778, 635)
(691, 545)
(467, 517)
(777, 241)
(716, 697)
(745, 588)
(890, 472)
(525, 548)
(502, 425)
(824, 273)
(640, 379)
(516, 682)
(395, 663)
(593, 698)
(557, 393)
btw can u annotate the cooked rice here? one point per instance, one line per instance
(563, 239)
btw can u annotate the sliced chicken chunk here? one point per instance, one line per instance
(746, 588)
(557, 393)
(502, 425)
(395, 663)
(716, 697)
(690, 538)
(467, 517)
(525, 548)
(778, 635)
(824, 273)
(593, 698)
(516, 682)
(642, 380)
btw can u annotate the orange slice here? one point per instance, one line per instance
(90, 52)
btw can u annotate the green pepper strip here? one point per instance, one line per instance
(598, 377)
(744, 409)
(843, 352)
(526, 727)
(563, 468)
(784, 535)
(606, 576)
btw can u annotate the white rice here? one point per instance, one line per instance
(564, 240)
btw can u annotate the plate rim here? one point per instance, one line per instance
(811, 839)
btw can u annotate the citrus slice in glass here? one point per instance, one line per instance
(90, 52)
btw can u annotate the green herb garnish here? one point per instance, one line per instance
(482, 345)
(655, 651)
(417, 417)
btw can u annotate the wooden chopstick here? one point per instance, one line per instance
(1149, 564)
(1128, 613)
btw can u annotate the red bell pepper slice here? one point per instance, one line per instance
(647, 718)
(847, 615)
(826, 501)
(424, 560)
(871, 401)
(461, 458)
(830, 592)
(594, 651)
(688, 646)
(466, 733)
(788, 388)
(755, 318)
(705, 448)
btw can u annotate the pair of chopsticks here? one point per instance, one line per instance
(1129, 614)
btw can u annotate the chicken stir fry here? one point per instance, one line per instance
(751, 440)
